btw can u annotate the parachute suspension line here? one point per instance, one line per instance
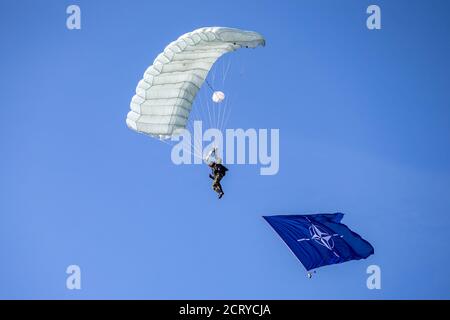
(227, 117)
(194, 114)
(223, 69)
(205, 105)
(202, 102)
(193, 150)
(209, 85)
(225, 109)
(198, 153)
(216, 117)
(199, 108)
(199, 114)
(197, 111)
(240, 71)
(219, 119)
(195, 117)
(214, 73)
(236, 98)
(222, 120)
(219, 115)
(171, 145)
(217, 105)
(225, 74)
(224, 78)
(215, 110)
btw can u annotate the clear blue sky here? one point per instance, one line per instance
(364, 129)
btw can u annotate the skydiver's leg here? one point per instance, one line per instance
(221, 193)
(216, 184)
(219, 185)
(219, 178)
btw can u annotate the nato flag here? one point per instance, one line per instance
(320, 239)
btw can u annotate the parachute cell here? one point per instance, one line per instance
(164, 97)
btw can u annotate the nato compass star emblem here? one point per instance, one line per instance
(321, 237)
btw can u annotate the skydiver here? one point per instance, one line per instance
(218, 172)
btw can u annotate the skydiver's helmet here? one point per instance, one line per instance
(218, 160)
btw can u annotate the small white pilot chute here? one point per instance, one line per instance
(218, 96)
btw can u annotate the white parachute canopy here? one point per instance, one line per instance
(164, 97)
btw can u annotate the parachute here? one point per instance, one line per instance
(218, 96)
(163, 101)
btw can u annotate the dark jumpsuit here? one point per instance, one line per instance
(219, 172)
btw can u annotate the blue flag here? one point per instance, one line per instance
(320, 239)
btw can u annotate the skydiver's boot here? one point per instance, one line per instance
(216, 188)
(220, 191)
